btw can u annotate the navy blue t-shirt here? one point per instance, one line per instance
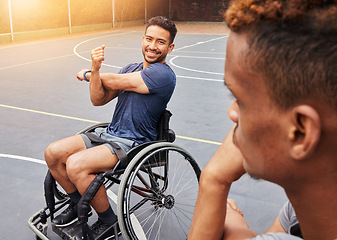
(136, 115)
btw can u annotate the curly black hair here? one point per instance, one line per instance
(293, 43)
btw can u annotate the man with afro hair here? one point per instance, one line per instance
(281, 67)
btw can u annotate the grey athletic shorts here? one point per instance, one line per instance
(126, 144)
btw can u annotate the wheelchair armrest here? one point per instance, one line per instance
(91, 128)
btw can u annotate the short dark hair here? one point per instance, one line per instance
(165, 23)
(293, 44)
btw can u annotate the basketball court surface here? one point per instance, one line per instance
(42, 101)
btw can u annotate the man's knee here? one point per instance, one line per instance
(74, 168)
(52, 154)
(59, 151)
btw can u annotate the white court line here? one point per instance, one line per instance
(194, 70)
(203, 79)
(89, 60)
(28, 159)
(198, 43)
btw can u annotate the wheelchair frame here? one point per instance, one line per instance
(152, 202)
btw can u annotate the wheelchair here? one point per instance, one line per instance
(157, 190)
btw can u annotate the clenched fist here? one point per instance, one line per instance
(97, 57)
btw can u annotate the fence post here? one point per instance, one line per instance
(113, 13)
(69, 16)
(11, 19)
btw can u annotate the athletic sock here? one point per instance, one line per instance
(108, 216)
(75, 197)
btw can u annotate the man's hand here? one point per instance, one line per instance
(97, 57)
(236, 226)
(80, 74)
(229, 161)
(231, 206)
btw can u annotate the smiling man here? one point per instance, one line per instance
(143, 91)
(281, 67)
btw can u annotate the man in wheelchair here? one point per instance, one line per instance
(143, 91)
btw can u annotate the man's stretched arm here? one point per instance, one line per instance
(210, 213)
(105, 86)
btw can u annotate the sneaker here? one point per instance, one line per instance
(67, 217)
(104, 231)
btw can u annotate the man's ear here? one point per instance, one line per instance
(305, 132)
(171, 46)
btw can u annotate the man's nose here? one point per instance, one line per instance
(153, 45)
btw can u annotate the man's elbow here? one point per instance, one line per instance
(97, 102)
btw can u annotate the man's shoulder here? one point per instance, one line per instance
(161, 68)
(132, 67)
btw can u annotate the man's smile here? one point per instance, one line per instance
(152, 53)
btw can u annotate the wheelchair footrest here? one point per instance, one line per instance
(71, 232)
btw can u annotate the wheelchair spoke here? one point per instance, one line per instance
(145, 209)
(183, 212)
(158, 215)
(138, 205)
(162, 217)
(146, 219)
(183, 226)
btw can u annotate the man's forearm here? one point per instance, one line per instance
(97, 90)
(210, 211)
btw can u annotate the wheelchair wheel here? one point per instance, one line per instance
(158, 192)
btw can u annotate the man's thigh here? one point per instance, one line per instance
(94, 160)
(62, 149)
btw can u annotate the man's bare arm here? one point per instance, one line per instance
(216, 178)
(105, 86)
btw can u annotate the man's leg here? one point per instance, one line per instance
(81, 169)
(74, 167)
(56, 156)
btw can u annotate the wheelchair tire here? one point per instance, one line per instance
(157, 193)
